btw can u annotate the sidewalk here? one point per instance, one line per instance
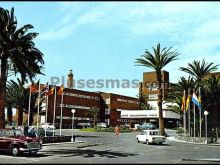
(172, 138)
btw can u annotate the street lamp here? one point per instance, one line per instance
(73, 111)
(206, 113)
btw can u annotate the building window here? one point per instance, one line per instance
(81, 96)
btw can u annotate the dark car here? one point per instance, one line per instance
(14, 142)
(147, 126)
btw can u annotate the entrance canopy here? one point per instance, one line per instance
(148, 114)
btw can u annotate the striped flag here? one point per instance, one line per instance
(195, 100)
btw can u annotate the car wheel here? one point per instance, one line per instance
(160, 143)
(15, 151)
(138, 140)
(147, 142)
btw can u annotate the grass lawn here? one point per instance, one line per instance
(88, 130)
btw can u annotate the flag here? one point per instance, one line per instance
(51, 91)
(188, 102)
(60, 91)
(195, 100)
(183, 107)
(33, 88)
(45, 89)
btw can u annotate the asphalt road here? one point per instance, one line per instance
(105, 148)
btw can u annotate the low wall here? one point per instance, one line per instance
(55, 139)
(198, 140)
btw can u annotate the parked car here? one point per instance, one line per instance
(146, 126)
(85, 125)
(150, 137)
(14, 142)
(48, 126)
(103, 125)
(32, 131)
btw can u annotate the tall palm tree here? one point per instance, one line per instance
(18, 50)
(175, 93)
(198, 70)
(212, 101)
(157, 61)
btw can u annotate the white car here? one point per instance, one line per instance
(103, 125)
(150, 137)
(48, 126)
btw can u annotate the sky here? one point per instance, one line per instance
(101, 40)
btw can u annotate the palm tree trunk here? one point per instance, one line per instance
(20, 115)
(3, 79)
(161, 120)
(31, 119)
(9, 115)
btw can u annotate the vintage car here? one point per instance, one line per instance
(14, 141)
(150, 137)
(146, 126)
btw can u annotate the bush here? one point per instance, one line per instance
(112, 129)
(180, 130)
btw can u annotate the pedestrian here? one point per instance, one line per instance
(117, 130)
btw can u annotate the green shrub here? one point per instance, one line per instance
(180, 130)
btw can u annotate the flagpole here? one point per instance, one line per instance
(38, 106)
(200, 115)
(184, 113)
(189, 113)
(46, 116)
(29, 107)
(194, 111)
(61, 113)
(54, 108)
(184, 122)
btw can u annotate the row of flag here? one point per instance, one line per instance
(186, 101)
(46, 91)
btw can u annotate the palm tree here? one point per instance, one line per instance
(199, 71)
(212, 101)
(94, 112)
(18, 95)
(18, 50)
(157, 61)
(175, 93)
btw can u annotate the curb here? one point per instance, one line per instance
(48, 144)
(181, 141)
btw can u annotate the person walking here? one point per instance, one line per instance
(117, 130)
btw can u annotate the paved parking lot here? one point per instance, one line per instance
(106, 148)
